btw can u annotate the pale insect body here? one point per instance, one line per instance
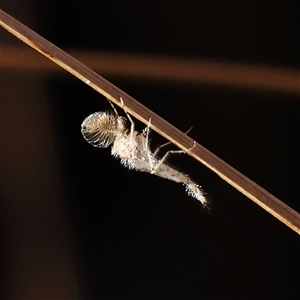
(102, 129)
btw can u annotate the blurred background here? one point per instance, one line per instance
(75, 224)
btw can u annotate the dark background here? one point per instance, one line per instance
(137, 236)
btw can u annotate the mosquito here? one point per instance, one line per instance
(102, 129)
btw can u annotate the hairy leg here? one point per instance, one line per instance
(165, 157)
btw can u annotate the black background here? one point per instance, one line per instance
(139, 236)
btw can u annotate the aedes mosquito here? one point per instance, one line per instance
(102, 129)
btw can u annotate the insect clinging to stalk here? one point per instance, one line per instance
(102, 129)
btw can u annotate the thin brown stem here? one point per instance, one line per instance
(246, 186)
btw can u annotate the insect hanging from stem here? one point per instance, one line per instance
(102, 129)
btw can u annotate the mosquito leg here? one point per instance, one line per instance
(188, 132)
(146, 132)
(163, 145)
(165, 157)
(132, 127)
(113, 107)
(159, 148)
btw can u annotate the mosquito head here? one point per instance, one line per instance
(100, 129)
